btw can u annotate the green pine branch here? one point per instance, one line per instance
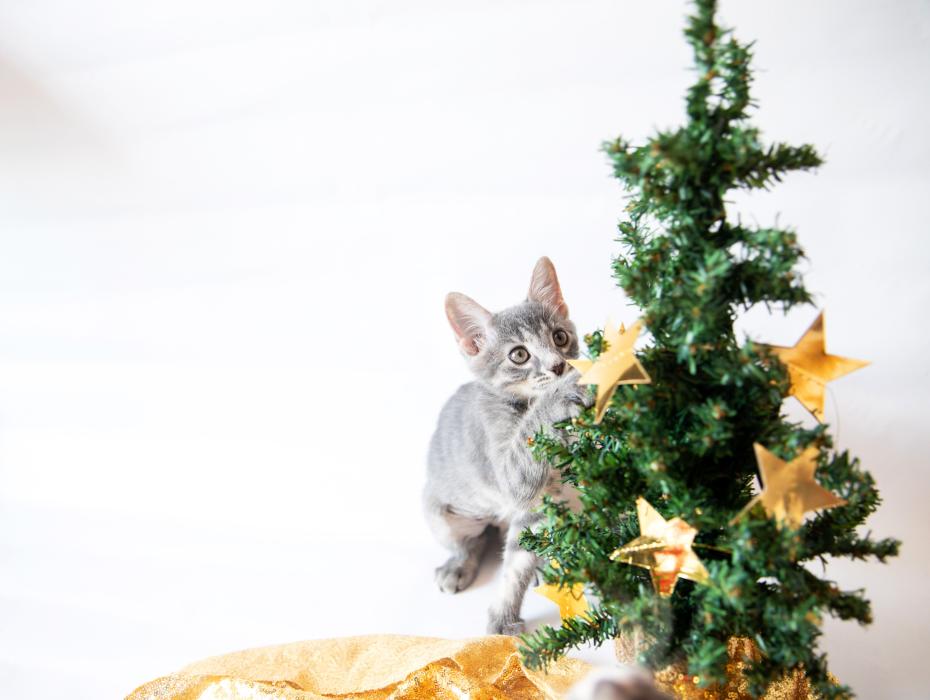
(685, 441)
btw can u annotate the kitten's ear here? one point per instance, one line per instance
(469, 321)
(544, 287)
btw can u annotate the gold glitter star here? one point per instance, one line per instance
(789, 489)
(615, 366)
(570, 599)
(810, 367)
(663, 547)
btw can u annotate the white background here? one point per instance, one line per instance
(227, 229)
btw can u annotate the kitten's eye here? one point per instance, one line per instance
(560, 338)
(519, 355)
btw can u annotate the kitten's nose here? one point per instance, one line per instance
(558, 368)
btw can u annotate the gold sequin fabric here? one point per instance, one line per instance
(369, 668)
(675, 680)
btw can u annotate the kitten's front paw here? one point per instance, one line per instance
(569, 391)
(571, 403)
(501, 624)
(456, 575)
(586, 398)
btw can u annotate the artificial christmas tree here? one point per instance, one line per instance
(665, 469)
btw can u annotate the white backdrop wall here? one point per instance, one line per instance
(227, 229)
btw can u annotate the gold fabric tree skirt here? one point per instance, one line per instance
(386, 667)
(368, 668)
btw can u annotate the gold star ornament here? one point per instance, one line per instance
(789, 489)
(810, 367)
(663, 547)
(615, 366)
(570, 599)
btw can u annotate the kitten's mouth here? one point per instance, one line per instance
(530, 387)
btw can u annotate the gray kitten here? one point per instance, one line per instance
(481, 471)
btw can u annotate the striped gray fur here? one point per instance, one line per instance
(481, 472)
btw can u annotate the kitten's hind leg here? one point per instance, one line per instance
(466, 538)
(518, 570)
